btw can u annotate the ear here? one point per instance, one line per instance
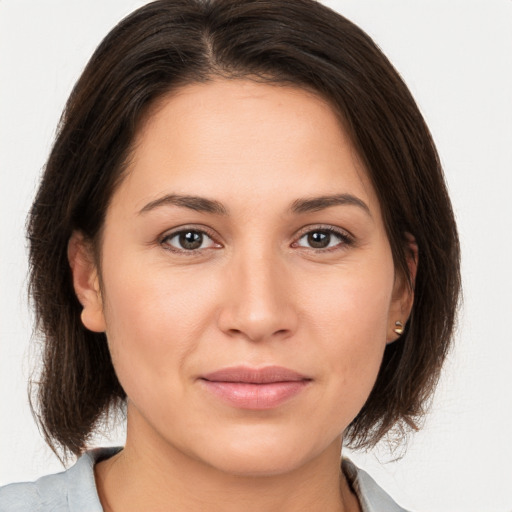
(403, 293)
(86, 282)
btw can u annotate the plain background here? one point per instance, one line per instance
(456, 57)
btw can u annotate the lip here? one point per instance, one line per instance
(255, 388)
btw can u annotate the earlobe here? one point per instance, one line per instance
(86, 282)
(403, 293)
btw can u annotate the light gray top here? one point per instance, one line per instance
(74, 490)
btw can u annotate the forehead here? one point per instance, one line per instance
(247, 138)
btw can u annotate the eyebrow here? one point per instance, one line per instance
(199, 204)
(316, 204)
(299, 206)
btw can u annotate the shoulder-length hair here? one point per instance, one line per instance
(170, 43)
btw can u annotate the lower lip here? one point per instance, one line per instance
(255, 396)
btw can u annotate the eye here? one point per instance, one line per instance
(323, 239)
(188, 240)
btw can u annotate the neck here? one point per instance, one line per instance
(151, 474)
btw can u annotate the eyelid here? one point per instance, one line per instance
(188, 227)
(324, 227)
(346, 237)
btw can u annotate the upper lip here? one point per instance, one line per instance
(245, 374)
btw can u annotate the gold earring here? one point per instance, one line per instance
(399, 328)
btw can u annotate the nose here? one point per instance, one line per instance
(258, 301)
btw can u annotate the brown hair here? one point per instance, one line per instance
(170, 43)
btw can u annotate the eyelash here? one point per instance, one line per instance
(346, 239)
(189, 252)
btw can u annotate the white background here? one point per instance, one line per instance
(456, 57)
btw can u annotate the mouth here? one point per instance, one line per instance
(255, 388)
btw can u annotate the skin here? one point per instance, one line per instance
(257, 293)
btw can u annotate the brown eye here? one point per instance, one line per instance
(319, 239)
(188, 240)
(323, 239)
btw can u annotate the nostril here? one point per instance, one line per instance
(257, 316)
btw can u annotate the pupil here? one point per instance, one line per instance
(319, 239)
(191, 240)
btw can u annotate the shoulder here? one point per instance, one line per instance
(371, 496)
(73, 490)
(47, 493)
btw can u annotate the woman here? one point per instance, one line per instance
(243, 236)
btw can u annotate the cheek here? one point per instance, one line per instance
(349, 318)
(154, 322)
(352, 304)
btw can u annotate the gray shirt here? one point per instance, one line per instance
(74, 490)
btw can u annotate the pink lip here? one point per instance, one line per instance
(255, 388)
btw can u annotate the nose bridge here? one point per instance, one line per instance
(259, 297)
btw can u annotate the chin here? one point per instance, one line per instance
(258, 465)
(246, 457)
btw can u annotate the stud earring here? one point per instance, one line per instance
(399, 328)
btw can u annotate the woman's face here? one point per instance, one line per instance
(248, 288)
